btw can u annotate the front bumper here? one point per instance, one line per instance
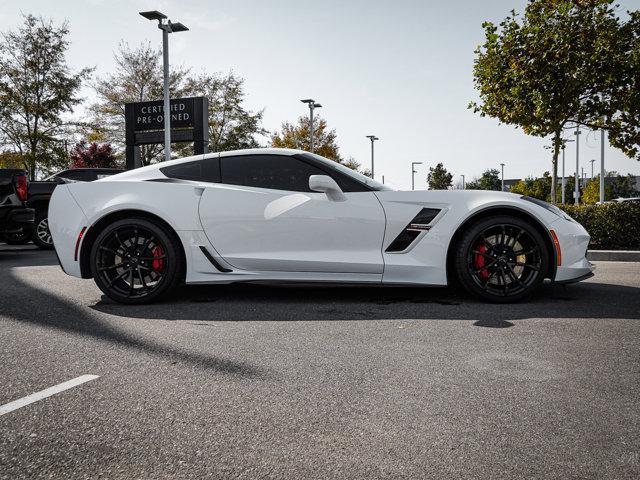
(574, 241)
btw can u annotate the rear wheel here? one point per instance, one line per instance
(136, 261)
(501, 259)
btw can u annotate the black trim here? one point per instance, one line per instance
(418, 224)
(213, 261)
(574, 280)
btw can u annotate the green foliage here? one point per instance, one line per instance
(297, 137)
(231, 127)
(36, 90)
(12, 160)
(562, 63)
(591, 192)
(490, 180)
(534, 187)
(611, 225)
(439, 178)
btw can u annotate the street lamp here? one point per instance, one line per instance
(576, 193)
(592, 160)
(312, 105)
(502, 168)
(413, 172)
(373, 138)
(602, 166)
(564, 180)
(463, 182)
(167, 28)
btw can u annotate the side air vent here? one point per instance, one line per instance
(419, 223)
(213, 261)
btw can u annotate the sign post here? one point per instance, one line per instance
(145, 125)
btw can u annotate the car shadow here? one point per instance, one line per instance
(247, 302)
(21, 302)
(26, 256)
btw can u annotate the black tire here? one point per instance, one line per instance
(41, 236)
(136, 261)
(17, 238)
(501, 259)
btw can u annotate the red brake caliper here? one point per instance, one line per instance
(479, 262)
(158, 263)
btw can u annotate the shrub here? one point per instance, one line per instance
(614, 226)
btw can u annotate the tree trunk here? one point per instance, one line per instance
(554, 175)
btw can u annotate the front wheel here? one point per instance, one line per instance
(501, 259)
(136, 261)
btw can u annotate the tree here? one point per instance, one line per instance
(534, 187)
(591, 192)
(37, 89)
(138, 77)
(11, 160)
(297, 136)
(490, 180)
(623, 186)
(624, 132)
(439, 178)
(557, 67)
(231, 127)
(92, 156)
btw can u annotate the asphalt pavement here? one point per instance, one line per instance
(306, 382)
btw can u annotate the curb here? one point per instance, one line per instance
(614, 255)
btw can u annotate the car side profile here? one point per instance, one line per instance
(279, 215)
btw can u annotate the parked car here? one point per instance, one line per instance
(15, 216)
(40, 194)
(278, 215)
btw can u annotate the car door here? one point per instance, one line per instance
(263, 217)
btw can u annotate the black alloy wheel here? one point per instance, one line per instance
(502, 259)
(136, 261)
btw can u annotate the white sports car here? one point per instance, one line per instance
(275, 215)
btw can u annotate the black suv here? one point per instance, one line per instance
(15, 216)
(39, 195)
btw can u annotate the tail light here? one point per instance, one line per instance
(22, 187)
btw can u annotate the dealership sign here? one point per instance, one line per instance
(145, 125)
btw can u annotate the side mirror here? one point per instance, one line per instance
(326, 184)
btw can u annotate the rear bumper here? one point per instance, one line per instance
(16, 218)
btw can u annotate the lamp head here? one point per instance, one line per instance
(153, 15)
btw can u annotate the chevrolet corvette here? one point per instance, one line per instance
(278, 215)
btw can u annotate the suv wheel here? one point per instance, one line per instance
(41, 235)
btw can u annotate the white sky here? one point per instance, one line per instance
(401, 70)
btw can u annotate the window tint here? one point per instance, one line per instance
(277, 172)
(207, 170)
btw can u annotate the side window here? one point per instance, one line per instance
(207, 170)
(277, 172)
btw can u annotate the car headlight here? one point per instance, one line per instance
(549, 207)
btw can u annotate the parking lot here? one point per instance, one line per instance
(256, 382)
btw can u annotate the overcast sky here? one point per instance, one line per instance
(401, 70)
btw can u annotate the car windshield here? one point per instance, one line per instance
(368, 181)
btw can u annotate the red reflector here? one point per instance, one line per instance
(22, 187)
(80, 235)
(556, 244)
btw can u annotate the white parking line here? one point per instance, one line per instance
(47, 392)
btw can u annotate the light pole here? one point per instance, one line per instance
(413, 172)
(167, 28)
(564, 180)
(502, 168)
(602, 166)
(312, 106)
(576, 193)
(373, 138)
(592, 160)
(462, 181)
